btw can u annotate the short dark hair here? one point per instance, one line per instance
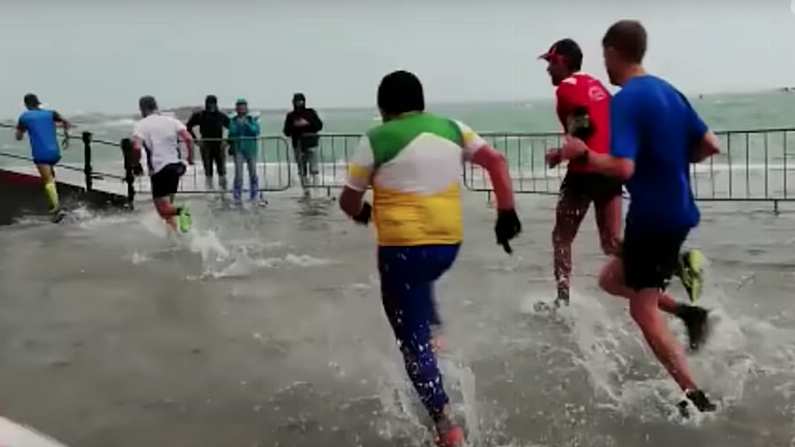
(31, 101)
(400, 92)
(628, 38)
(211, 99)
(147, 104)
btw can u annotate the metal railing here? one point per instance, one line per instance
(274, 168)
(329, 159)
(84, 165)
(754, 165)
(525, 153)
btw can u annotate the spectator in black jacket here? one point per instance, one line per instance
(303, 124)
(211, 124)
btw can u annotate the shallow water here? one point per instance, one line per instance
(264, 328)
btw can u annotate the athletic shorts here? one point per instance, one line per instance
(166, 181)
(597, 187)
(47, 161)
(651, 258)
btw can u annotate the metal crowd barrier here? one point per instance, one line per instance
(525, 153)
(273, 167)
(74, 161)
(331, 158)
(754, 166)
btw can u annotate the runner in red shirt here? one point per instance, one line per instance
(583, 106)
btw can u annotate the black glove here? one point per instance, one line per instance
(363, 217)
(508, 226)
(579, 124)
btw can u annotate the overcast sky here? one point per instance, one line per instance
(101, 55)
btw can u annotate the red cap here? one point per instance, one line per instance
(563, 48)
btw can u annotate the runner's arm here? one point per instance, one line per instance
(360, 176)
(708, 146)
(620, 167)
(137, 148)
(352, 201)
(478, 151)
(497, 167)
(624, 138)
(565, 102)
(20, 131)
(705, 142)
(66, 125)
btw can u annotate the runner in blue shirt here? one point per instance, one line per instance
(40, 126)
(655, 134)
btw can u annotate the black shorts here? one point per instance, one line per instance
(651, 258)
(166, 181)
(596, 187)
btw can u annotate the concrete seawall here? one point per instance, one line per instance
(22, 195)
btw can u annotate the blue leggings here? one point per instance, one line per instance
(407, 278)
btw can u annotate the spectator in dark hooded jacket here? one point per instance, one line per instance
(302, 125)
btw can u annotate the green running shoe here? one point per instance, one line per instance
(184, 220)
(691, 272)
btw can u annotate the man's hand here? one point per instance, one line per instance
(709, 146)
(573, 149)
(553, 158)
(301, 122)
(507, 228)
(363, 217)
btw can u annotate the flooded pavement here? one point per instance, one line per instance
(264, 327)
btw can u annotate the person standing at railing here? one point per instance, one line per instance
(654, 136)
(40, 125)
(583, 107)
(211, 122)
(302, 125)
(159, 136)
(244, 132)
(413, 163)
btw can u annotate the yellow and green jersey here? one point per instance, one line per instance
(414, 164)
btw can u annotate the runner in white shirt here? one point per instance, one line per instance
(159, 136)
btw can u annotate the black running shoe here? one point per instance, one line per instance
(695, 319)
(57, 216)
(563, 298)
(700, 400)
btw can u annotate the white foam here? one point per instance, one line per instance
(88, 221)
(123, 122)
(139, 258)
(738, 350)
(305, 260)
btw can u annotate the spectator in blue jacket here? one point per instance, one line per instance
(244, 132)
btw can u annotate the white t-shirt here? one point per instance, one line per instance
(160, 136)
